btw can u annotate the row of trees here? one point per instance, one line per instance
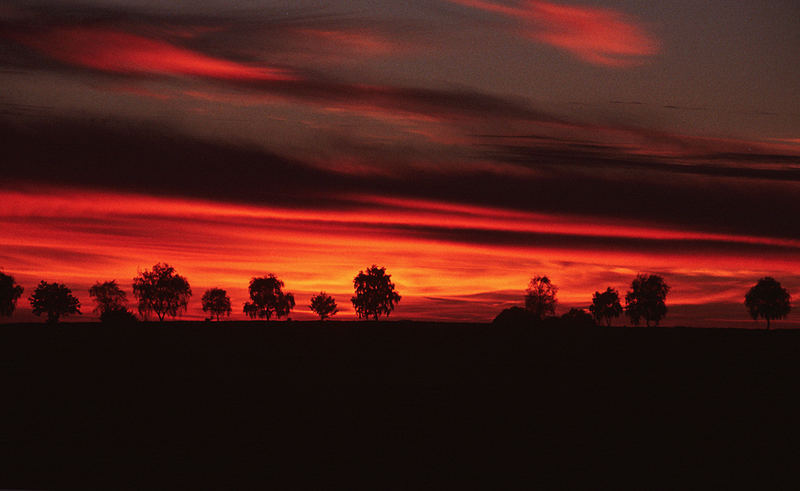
(646, 301)
(162, 292)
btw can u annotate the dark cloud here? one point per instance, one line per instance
(157, 160)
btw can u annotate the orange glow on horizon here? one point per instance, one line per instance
(80, 237)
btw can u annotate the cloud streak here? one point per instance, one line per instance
(121, 52)
(603, 37)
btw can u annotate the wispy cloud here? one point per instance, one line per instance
(595, 35)
(122, 52)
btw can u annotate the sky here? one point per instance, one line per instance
(465, 145)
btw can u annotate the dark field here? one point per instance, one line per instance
(395, 405)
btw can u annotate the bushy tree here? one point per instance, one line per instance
(217, 302)
(605, 306)
(375, 293)
(55, 300)
(268, 298)
(540, 297)
(107, 296)
(9, 293)
(323, 305)
(646, 299)
(768, 300)
(161, 291)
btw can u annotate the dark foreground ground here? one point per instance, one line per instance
(396, 405)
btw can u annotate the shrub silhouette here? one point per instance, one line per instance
(107, 296)
(268, 298)
(9, 294)
(540, 297)
(578, 317)
(118, 315)
(516, 316)
(217, 302)
(605, 306)
(375, 293)
(161, 291)
(55, 300)
(768, 300)
(646, 300)
(323, 305)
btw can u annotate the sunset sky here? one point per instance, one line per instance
(466, 145)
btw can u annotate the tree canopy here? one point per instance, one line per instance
(216, 302)
(268, 299)
(55, 300)
(375, 293)
(323, 305)
(646, 299)
(768, 300)
(540, 297)
(108, 296)
(9, 293)
(605, 306)
(161, 291)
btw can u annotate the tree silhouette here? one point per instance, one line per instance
(646, 299)
(268, 298)
(540, 297)
(217, 302)
(768, 300)
(375, 293)
(161, 291)
(9, 293)
(55, 300)
(323, 305)
(605, 306)
(107, 296)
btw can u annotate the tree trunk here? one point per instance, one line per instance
(767, 323)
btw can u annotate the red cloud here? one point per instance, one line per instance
(121, 52)
(600, 36)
